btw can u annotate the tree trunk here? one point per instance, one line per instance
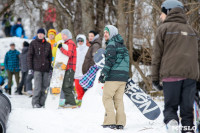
(87, 16)
(121, 19)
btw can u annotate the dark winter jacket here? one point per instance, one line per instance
(176, 49)
(116, 60)
(23, 59)
(39, 55)
(88, 62)
(11, 61)
(7, 19)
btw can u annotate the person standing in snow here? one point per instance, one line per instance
(115, 76)
(81, 52)
(23, 67)
(67, 86)
(18, 30)
(39, 62)
(11, 63)
(51, 37)
(8, 21)
(95, 42)
(175, 63)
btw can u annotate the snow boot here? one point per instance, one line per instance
(78, 102)
(36, 106)
(109, 126)
(120, 127)
(172, 126)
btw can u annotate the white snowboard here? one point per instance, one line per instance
(53, 97)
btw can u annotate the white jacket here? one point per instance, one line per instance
(81, 52)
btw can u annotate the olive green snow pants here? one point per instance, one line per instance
(113, 92)
(67, 87)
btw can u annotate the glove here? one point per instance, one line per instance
(60, 45)
(102, 78)
(30, 72)
(157, 86)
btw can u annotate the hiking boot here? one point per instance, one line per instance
(109, 126)
(172, 126)
(120, 127)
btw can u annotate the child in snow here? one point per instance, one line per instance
(175, 63)
(4, 77)
(67, 86)
(51, 37)
(115, 75)
(81, 52)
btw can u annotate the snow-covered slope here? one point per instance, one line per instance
(87, 119)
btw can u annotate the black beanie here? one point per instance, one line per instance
(95, 33)
(19, 19)
(26, 44)
(41, 30)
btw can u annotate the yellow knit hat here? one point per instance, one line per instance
(52, 31)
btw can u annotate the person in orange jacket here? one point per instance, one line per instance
(51, 37)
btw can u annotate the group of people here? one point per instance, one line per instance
(175, 64)
(15, 28)
(14, 62)
(10, 27)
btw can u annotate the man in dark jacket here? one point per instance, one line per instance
(23, 67)
(115, 75)
(175, 63)
(95, 44)
(39, 61)
(11, 63)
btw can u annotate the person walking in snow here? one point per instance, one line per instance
(39, 62)
(67, 86)
(81, 52)
(95, 42)
(115, 76)
(11, 63)
(23, 67)
(175, 64)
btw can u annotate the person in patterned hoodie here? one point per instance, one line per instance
(115, 75)
(11, 63)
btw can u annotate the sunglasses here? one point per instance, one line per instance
(80, 40)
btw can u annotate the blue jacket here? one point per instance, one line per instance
(17, 30)
(11, 61)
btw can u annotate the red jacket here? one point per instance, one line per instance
(50, 15)
(71, 53)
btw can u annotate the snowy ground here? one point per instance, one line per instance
(87, 119)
